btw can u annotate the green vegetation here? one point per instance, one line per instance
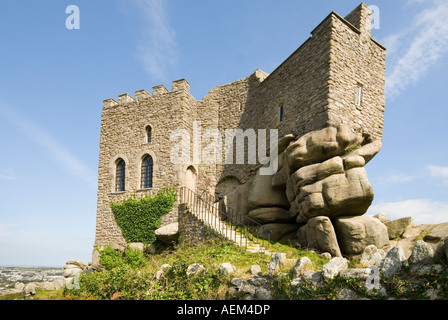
(351, 149)
(139, 218)
(403, 285)
(40, 295)
(132, 276)
(307, 290)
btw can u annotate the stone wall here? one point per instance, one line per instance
(123, 136)
(316, 86)
(192, 231)
(356, 60)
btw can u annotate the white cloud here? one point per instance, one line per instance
(156, 47)
(395, 178)
(423, 211)
(6, 176)
(418, 47)
(438, 172)
(58, 152)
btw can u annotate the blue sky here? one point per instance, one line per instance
(53, 81)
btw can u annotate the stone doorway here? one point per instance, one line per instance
(190, 179)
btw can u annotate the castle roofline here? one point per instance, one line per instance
(125, 98)
(329, 16)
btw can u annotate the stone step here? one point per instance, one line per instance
(214, 222)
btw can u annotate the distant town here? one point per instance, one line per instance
(10, 275)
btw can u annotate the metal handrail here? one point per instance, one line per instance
(208, 210)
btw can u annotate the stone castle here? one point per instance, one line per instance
(325, 100)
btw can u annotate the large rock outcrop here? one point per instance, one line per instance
(320, 186)
(318, 195)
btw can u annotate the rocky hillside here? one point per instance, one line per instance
(414, 266)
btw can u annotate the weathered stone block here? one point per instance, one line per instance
(168, 234)
(278, 231)
(319, 234)
(372, 256)
(397, 227)
(271, 215)
(356, 233)
(422, 253)
(302, 265)
(277, 260)
(262, 194)
(348, 193)
(332, 268)
(438, 233)
(320, 145)
(394, 260)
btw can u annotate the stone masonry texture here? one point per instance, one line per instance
(316, 87)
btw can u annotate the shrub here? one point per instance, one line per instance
(209, 284)
(139, 218)
(135, 258)
(111, 258)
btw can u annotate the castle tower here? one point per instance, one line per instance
(357, 74)
(336, 76)
(135, 149)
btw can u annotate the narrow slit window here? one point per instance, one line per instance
(358, 97)
(280, 114)
(147, 172)
(148, 134)
(120, 176)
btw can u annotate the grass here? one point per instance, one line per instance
(213, 253)
(129, 283)
(216, 252)
(13, 296)
(212, 286)
(140, 284)
(291, 252)
(40, 295)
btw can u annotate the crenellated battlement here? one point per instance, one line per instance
(180, 84)
(109, 103)
(159, 90)
(126, 98)
(142, 94)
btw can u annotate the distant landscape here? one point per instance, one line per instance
(10, 275)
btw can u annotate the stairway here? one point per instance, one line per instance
(207, 211)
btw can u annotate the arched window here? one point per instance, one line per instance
(120, 175)
(148, 134)
(147, 172)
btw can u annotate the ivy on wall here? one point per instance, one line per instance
(138, 218)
